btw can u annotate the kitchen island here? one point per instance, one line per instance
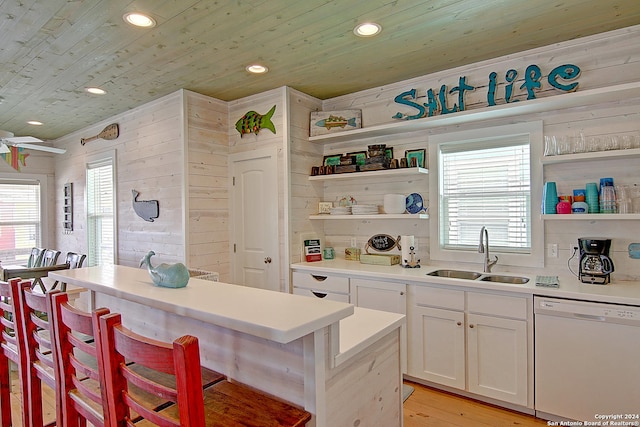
(339, 362)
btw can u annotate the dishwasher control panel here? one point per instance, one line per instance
(586, 310)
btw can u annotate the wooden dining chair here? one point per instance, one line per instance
(221, 405)
(49, 258)
(36, 334)
(11, 349)
(78, 363)
(80, 366)
(35, 258)
(75, 261)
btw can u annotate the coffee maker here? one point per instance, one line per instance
(595, 264)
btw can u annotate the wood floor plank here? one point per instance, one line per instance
(428, 407)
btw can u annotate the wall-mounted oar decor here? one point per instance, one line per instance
(110, 132)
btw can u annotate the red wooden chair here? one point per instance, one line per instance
(222, 405)
(79, 365)
(35, 332)
(11, 349)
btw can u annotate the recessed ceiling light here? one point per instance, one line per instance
(257, 69)
(139, 20)
(96, 90)
(367, 29)
(35, 123)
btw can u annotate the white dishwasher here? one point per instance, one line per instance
(587, 361)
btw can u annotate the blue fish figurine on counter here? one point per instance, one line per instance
(166, 275)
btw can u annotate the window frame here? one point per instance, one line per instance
(109, 156)
(42, 180)
(438, 253)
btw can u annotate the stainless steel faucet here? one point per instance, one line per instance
(483, 248)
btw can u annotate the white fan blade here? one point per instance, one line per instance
(22, 139)
(42, 148)
(4, 149)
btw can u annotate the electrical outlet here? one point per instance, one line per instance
(552, 250)
(354, 242)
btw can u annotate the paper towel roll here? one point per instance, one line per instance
(407, 242)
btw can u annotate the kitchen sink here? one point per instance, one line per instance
(455, 274)
(515, 280)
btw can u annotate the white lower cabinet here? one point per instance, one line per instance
(379, 295)
(473, 341)
(383, 296)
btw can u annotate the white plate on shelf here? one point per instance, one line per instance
(415, 204)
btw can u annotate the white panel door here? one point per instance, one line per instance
(254, 219)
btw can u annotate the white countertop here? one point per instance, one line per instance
(621, 292)
(275, 316)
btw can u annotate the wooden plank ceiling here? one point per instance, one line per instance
(52, 49)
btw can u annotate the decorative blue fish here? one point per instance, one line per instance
(166, 275)
(252, 122)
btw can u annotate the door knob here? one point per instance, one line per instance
(267, 260)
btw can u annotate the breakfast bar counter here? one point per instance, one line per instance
(339, 362)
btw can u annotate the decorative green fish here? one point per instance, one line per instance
(252, 122)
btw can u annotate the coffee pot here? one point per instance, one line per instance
(595, 264)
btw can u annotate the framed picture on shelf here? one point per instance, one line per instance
(419, 155)
(332, 160)
(325, 122)
(325, 207)
(361, 157)
(389, 152)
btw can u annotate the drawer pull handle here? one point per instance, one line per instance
(459, 323)
(471, 326)
(319, 278)
(318, 294)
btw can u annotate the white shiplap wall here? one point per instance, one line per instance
(149, 159)
(605, 60)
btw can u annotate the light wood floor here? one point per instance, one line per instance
(426, 407)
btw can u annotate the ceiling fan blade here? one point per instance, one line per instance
(22, 139)
(42, 148)
(4, 149)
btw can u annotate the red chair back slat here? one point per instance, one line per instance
(79, 364)
(11, 349)
(35, 332)
(181, 359)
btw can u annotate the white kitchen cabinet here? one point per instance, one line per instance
(497, 358)
(333, 288)
(473, 341)
(379, 295)
(436, 346)
(383, 296)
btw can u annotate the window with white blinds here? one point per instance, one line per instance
(486, 183)
(20, 228)
(100, 213)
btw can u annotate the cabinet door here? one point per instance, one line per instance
(378, 295)
(497, 358)
(436, 346)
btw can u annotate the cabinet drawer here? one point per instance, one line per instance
(321, 283)
(326, 296)
(497, 305)
(427, 296)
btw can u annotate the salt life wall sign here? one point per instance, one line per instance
(451, 99)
